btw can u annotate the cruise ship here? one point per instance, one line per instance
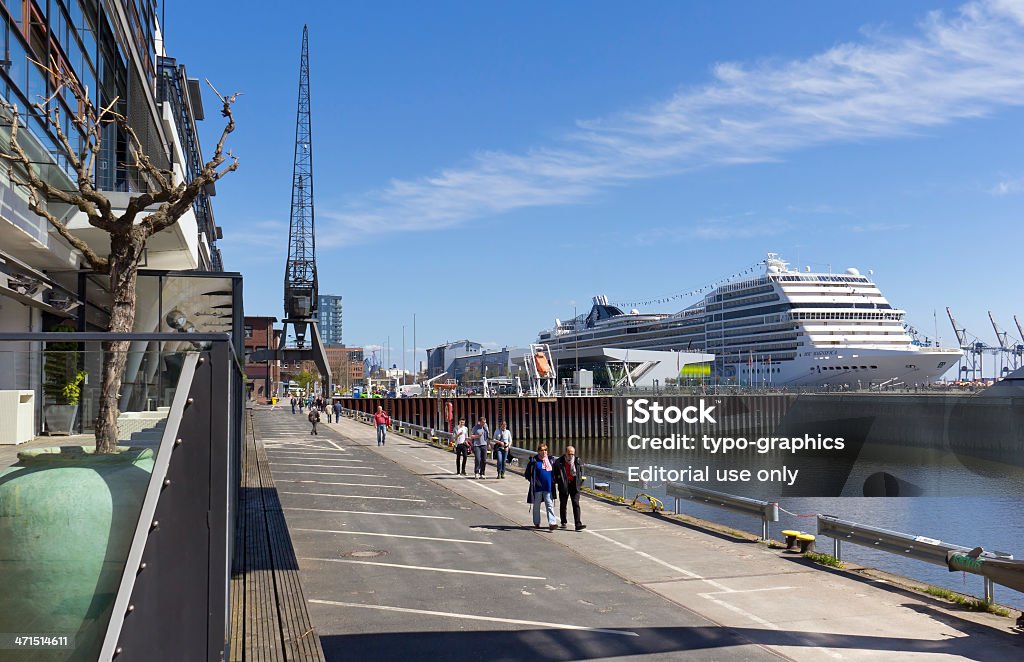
(784, 328)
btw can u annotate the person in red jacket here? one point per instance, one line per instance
(382, 420)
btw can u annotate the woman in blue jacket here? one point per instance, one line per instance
(538, 472)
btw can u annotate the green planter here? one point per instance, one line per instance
(67, 518)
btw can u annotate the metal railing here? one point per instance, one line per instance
(768, 511)
(921, 548)
(179, 560)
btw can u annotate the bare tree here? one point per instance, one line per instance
(146, 213)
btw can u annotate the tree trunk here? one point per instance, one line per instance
(124, 272)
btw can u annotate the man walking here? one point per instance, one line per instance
(314, 418)
(293, 404)
(481, 437)
(459, 438)
(568, 476)
(502, 442)
(382, 420)
(337, 412)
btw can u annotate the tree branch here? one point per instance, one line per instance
(98, 263)
(34, 182)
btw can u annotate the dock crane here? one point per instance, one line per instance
(973, 350)
(1009, 358)
(300, 281)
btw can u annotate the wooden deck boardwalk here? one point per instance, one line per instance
(269, 620)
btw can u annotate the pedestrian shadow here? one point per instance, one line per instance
(506, 527)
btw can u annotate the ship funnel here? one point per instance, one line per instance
(600, 300)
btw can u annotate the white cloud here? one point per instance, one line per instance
(878, 227)
(1008, 187)
(733, 227)
(961, 65)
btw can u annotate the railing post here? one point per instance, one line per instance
(837, 549)
(990, 590)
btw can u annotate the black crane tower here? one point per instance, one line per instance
(300, 284)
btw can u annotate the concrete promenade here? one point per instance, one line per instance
(401, 558)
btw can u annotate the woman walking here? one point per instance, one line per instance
(538, 472)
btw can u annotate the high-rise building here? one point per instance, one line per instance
(328, 316)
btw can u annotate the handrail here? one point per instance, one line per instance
(106, 336)
(768, 510)
(149, 504)
(921, 548)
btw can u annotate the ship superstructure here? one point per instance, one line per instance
(784, 328)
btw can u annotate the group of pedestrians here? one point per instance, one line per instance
(562, 476)
(480, 441)
(549, 478)
(317, 406)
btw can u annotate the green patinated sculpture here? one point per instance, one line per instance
(67, 517)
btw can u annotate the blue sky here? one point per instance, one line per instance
(487, 166)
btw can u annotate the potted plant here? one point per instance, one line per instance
(63, 385)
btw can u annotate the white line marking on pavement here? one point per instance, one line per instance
(423, 567)
(334, 444)
(323, 482)
(314, 451)
(489, 489)
(474, 617)
(314, 466)
(323, 473)
(707, 596)
(647, 556)
(624, 528)
(295, 455)
(746, 590)
(352, 496)
(375, 514)
(473, 482)
(399, 535)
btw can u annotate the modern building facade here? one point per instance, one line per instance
(441, 358)
(329, 318)
(115, 51)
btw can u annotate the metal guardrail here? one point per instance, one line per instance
(921, 548)
(768, 511)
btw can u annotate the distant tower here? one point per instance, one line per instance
(300, 285)
(329, 319)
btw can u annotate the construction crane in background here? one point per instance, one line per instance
(300, 282)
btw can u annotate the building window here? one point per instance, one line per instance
(248, 330)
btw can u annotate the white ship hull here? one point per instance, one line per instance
(783, 329)
(861, 368)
